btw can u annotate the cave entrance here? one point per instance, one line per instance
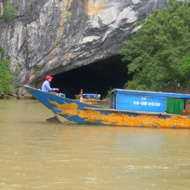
(97, 77)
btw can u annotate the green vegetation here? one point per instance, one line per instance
(6, 79)
(18, 68)
(1, 53)
(159, 54)
(109, 93)
(37, 69)
(9, 11)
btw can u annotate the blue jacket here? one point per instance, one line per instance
(46, 86)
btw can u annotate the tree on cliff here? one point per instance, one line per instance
(159, 54)
(9, 11)
(6, 79)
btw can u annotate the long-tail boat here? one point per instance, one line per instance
(128, 108)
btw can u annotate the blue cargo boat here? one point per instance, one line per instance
(129, 108)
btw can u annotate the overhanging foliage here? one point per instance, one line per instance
(6, 79)
(159, 54)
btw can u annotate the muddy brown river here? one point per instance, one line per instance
(38, 155)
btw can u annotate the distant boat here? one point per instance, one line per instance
(89, 98)
(128, 108)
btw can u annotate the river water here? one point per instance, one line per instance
(35, 154)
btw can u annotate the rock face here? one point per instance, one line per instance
(54, 36)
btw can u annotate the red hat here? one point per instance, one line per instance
(48, 77)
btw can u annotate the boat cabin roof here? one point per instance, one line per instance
(88, 94)
(150, 93)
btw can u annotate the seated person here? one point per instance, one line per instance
(46, 85)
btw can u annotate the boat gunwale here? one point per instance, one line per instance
(133, 112)
(72, 100)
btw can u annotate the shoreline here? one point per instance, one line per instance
(13, 96)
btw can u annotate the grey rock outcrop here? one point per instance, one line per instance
(54, 36)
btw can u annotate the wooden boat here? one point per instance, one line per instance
(88, 98)
(91, 98)
(128, 108)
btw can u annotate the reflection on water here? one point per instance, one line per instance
(39, 155)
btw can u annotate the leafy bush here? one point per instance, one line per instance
(1, 52)
(6, 79)
(9, 11)
(109, 93)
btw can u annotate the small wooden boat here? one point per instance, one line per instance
(128, 108)
(88, 98)
(91, 98)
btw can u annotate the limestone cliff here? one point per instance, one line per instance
(54, 36)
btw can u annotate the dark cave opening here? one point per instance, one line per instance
(97, 77)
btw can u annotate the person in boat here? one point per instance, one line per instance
(81, 93)
(46, 85)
